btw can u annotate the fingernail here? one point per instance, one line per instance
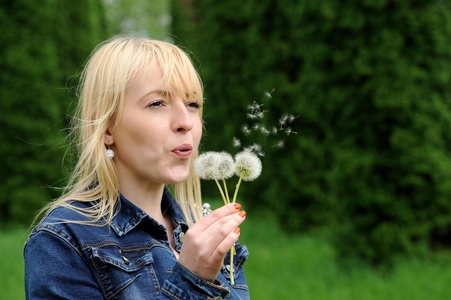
(242, 213)
(237, 230)
(237, 206)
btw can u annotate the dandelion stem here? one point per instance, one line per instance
(232, 279)
(220, 190)
(225, 189)
(238, 186)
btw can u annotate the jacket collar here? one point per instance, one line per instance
(129, 215)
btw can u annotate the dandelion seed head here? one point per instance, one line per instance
(226, 165)
(206, 165)
(248, 164)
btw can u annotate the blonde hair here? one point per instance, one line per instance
(110, 69)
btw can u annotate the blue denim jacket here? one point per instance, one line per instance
(130, 259)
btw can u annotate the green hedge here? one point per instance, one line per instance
(42, 45)
(371, 83)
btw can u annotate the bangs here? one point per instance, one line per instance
(178, 72)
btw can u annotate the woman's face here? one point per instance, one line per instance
(158, 133)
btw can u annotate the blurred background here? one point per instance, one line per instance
(354, 198)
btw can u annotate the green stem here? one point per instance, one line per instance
(220, 190)
(225, 189)
(232, 279)
(238, 186)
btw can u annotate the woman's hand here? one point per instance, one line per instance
(208, 241)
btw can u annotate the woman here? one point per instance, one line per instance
(117, 233)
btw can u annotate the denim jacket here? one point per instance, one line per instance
(130, 259)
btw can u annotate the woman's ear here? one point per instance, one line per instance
(108, 138)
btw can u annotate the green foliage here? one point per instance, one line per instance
(42, 45)
(370, 81)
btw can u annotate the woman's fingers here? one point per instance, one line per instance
(216, 215)
(208, 241)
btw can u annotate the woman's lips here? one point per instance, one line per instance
(183, 151)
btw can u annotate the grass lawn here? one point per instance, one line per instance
(281, 266)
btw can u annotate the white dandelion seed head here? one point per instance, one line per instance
(226, 165)
(248, 164)
(206, 165)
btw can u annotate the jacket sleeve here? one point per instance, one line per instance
(184, 284)
(55, 270)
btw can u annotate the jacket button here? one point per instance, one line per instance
(182, 237)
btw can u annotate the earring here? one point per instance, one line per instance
(109, 152)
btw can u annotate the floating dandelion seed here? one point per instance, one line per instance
(252, 116)
(274, 130)
(246, 130)
(280, 144)
(247, 165)
(291, 118)
(260, 115)
(264, 131)
(255, 127)
(236, 142)
(268, 94)
(289, 131)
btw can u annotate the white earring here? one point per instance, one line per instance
(109, 152)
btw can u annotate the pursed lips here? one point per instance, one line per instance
(183, 151)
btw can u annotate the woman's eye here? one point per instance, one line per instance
(157, 103)
(194, 105)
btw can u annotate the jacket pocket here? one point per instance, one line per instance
(125, 274)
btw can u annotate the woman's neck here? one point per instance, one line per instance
(147, 197)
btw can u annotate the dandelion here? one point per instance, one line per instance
(247, 165)
(206, 165)
(226, 166)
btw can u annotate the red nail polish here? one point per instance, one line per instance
(242, 213)
(237, 230)
(237, 206)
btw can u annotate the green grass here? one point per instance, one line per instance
(282, 266)
(12, 240)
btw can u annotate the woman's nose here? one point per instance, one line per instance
(182, 121)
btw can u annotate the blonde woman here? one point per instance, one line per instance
(117, 233)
